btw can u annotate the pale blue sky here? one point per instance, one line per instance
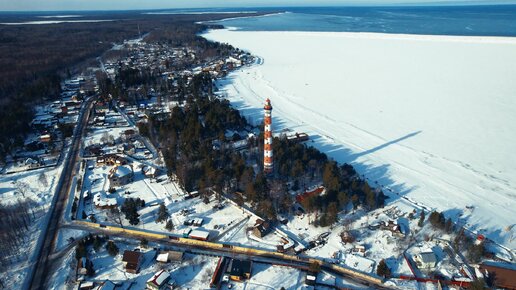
(54, 5)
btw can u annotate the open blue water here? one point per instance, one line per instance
(499, 20)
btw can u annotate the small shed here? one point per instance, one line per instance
(310, 279)
(199, 235)
(169, 256)
(86, 285)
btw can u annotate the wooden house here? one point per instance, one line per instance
(132, 261)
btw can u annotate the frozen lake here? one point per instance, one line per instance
(433, 118)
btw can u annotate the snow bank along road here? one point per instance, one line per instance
(433, 118)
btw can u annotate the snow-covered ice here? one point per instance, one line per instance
(430, 118)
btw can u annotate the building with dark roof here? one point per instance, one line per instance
(239, 270)
(261, 228)
(132, 261)
(502, 277)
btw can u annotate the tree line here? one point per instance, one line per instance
(35, 58)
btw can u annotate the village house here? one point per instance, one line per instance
(239, 270)
(120, 175)
(132, 261)
(128, 134)
(425, 260)
(94, 150)
(261, 228)
(315, 192)
(347, 237)
(150, 172)
(359, 250)
(160, 280)
(45, 138)
(393, 227)
(104, 203)
(111, 159)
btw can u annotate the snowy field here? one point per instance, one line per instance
(217, 221)
(36, 187)
(430, 118)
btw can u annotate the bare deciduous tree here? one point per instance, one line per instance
(14, 225)
(42, 178)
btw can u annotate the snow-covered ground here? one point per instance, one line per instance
(153, 193)
(265, 277)
(37, 187)
(194, 272)
(66, 236)
(430, 118)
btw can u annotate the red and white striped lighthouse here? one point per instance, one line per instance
(267, 138)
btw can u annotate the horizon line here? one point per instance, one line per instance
(379, 5)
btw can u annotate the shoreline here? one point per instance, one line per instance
(414, 168)
(382, 35)
(243, 17)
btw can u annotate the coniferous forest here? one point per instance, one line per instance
(34, 59)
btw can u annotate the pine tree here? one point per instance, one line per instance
(90, 271)
(332, 213)
(448, 227)
(97, 243)
(382, 269)
(343, 198)
(478, 284)
(421, 219)
(130, 210)
(355, 199)
(314, 267)
(112, 248)
(43, 179)
(169, 226)
(163, 214)
(81, 250)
